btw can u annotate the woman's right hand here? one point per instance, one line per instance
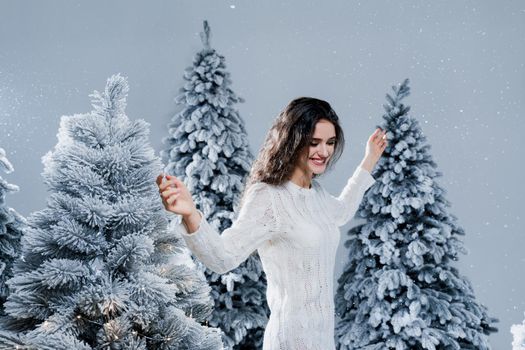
(377, 143)
(175, 196)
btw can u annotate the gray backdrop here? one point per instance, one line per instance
(464, 59)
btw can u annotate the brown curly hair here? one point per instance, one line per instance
(289, 137)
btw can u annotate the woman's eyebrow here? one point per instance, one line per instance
(316, 139)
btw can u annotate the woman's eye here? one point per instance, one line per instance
(331, 143)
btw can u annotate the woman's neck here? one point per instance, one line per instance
(302, 178)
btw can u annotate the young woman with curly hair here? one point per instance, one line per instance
(288, 217)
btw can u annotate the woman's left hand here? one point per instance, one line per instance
(375, 146)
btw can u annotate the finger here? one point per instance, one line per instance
(159, 179)
(175, 180)
(379, 134)
(178, 182)
(169, 192)
(172, 198)
(379, 140)
(376, 133)
(166, 184)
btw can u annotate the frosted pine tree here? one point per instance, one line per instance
(518, 332)
(208, 149)
(99, 269)
(399, 289)
(11, 226)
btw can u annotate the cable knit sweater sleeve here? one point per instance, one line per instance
(255, 225)
(344, 207)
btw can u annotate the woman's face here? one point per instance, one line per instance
(321, 147)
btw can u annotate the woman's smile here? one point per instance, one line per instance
(318, 161)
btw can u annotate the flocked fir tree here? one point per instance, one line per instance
(207, 148)
(12, 225)
(518, 333)
(400, 289)
(99, 270)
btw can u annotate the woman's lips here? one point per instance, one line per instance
(318, 161)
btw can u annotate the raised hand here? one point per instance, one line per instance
(375, 146)
(175, 195)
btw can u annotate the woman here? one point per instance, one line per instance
(288, 217)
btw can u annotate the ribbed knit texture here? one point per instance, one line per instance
(296, 233)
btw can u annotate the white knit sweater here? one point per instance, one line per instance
(296, 233)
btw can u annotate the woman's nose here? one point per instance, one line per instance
(323, 151)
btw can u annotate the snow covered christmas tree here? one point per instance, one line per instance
(400, 289)
(208, 150)
(518, 332)
(12, 225)
(99, 269)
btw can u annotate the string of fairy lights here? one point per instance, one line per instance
(46, 324)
